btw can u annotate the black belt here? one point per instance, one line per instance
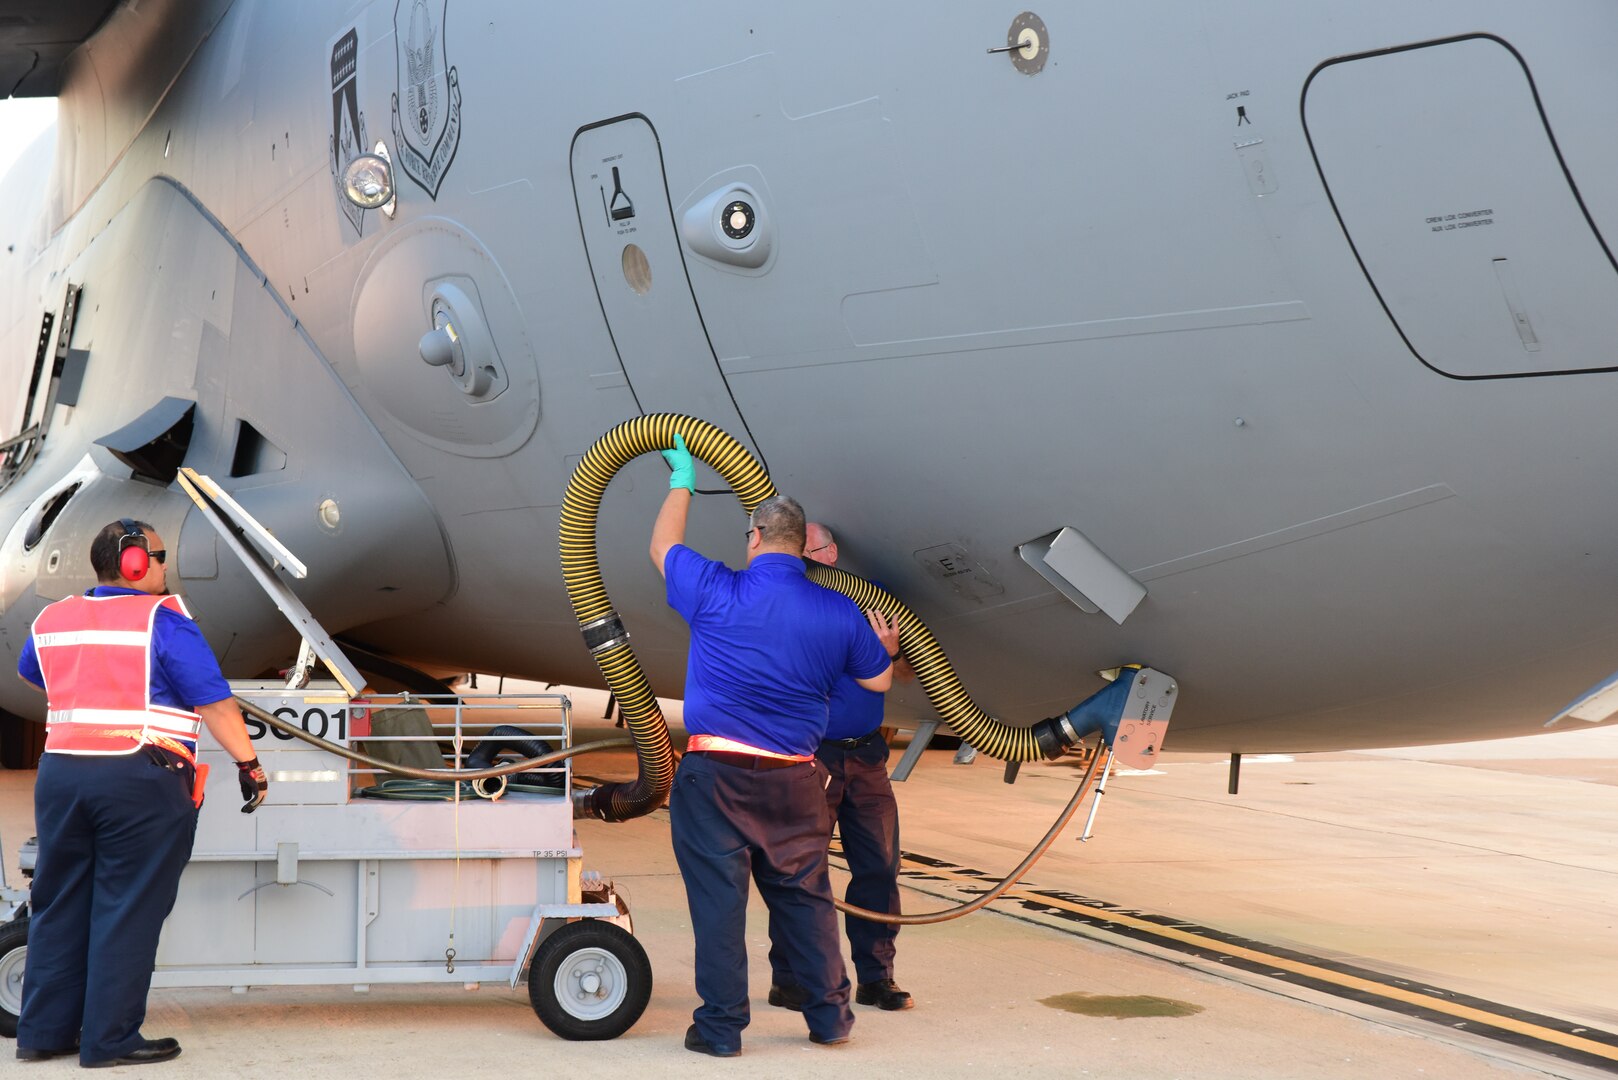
(746, 761)
(166, 759)
(853, 744)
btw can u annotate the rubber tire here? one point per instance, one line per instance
(13, 936)
(567, 941)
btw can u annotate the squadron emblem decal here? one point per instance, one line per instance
(347, 122)
(427, 105)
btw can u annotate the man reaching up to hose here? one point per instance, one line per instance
(767, 646)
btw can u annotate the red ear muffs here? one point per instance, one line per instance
(133, 562)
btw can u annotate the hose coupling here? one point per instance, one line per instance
(604, 633)
(492, 788)
(1070, 734)
(1055, 736)
(584, 803)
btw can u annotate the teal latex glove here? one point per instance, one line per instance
(683, 469)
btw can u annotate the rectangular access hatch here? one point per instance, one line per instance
(1446, 175)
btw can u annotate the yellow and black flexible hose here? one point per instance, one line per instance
(1046, 739)
(605, 636)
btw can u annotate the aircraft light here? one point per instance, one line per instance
(381, 151)
(368, 182)
(330, 513)
(738, 220)
(731, 224)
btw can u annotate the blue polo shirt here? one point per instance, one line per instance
(767, 646)
(855, 711)
(184, 672)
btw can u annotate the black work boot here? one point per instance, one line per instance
(787, 996)
(697, 1044)
(884, 995)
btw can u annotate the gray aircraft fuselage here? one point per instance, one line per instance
(1304, 316)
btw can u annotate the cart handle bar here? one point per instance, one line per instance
(431, 774)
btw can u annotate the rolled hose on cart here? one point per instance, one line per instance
(502, 738)
(605, 636)
(400, 789)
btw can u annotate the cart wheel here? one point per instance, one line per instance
(590, 980)
(13, 953)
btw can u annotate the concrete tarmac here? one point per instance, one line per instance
(1482, 872)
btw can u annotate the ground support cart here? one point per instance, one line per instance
(328, 885)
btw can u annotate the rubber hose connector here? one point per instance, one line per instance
(581, 572)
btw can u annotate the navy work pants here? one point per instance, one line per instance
(114, 834)
(860, 797)
(729, 824)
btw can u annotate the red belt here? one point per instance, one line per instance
(746, 761)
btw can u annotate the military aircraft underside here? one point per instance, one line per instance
(1268, 345)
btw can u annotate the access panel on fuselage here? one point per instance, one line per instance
(1447, 178)
(640, 276)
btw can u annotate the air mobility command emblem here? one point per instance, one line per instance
(427, 102)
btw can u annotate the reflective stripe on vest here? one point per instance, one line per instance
(95, 653)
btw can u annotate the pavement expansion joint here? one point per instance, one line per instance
(1280, 967)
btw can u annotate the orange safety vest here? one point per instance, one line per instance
(96, 655)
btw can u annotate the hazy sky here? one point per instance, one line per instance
(21, 119)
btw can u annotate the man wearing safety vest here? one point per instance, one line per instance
(128, 679)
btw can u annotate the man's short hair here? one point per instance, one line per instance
(104, 549)
(781, 518)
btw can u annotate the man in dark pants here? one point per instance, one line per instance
(129, 679)
(767, 645)
(861, 801)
